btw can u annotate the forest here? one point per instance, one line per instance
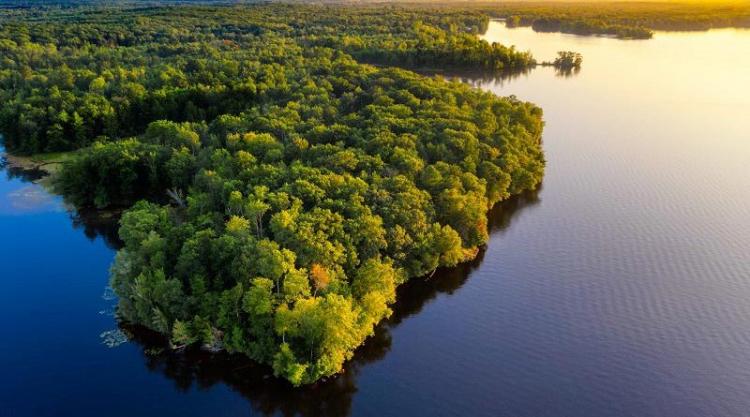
(279, 177)
(624, 20)
(84, 73)
(278, 187)
(634, 20)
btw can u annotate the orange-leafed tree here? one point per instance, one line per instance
(320, 277)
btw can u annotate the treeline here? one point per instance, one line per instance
(636, 20)
(427, 45)
(625, 20)
(435, 48)
(288, 189)
(408, 37)
(580, 26)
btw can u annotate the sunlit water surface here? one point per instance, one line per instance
(619, 289)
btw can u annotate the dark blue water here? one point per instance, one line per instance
(619, 289)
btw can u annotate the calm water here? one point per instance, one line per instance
(619, 289)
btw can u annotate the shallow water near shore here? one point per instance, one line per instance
(618, 289)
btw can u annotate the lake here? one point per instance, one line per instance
(620, 288)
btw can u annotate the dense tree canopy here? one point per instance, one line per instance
(622, 19)
(285, 188)
(77, 76)
(297, 222)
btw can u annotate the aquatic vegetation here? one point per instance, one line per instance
(114, 338)
(109, 311)
(109, 294)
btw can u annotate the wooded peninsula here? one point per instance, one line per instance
(278, 187)
(279, 190)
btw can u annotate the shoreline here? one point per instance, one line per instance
(39, 168)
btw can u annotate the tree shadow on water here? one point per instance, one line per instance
(94, 223)
(24, 174)
(268, 395)
(565, 72)
(413, 295)
(104, 224)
